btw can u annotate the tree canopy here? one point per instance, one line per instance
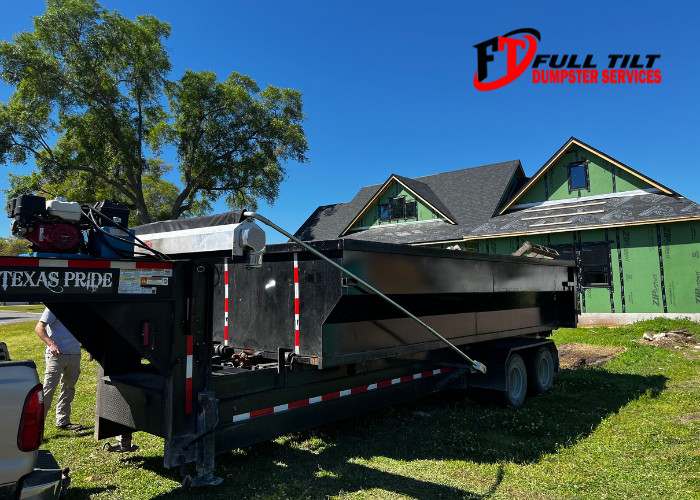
(94, 109)
(14, 246)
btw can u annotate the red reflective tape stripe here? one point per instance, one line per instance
(336, 395)
(19, 261)
(190, 351)
(296, 275)
(101, 264)
(258, 413)
(296, 338)
(226, 305)
(226, 333)
(153, 265)
(145, 333)
(188, 395)
(225, 277)
(296, 306)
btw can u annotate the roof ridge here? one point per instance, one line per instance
(468, 168)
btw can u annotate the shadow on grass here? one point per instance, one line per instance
(379, 449)
(87, 493)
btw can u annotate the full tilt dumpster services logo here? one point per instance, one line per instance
(518, 49)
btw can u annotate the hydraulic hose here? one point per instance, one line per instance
(475, 364)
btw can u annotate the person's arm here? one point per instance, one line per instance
(41, 332)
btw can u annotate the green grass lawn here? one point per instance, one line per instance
(37, 308)
(628, 429)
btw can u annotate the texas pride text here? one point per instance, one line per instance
(56, 281)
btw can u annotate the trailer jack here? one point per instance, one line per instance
(207, 420)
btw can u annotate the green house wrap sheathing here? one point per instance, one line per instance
(371, 218)
(604, 178)
(680, 249)
(660, 265)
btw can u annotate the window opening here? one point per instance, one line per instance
(411, 209)
(593, 262)
(396, 207)
(578, 176)
(384, 212)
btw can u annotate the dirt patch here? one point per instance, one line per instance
(575, 355)
(673, 339)
(690, 417)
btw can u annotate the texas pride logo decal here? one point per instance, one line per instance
(520, 47)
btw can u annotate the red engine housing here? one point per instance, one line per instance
(54, 238)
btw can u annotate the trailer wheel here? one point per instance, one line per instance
(541, 371)
(516, 381)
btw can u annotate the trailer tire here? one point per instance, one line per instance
(516, 381)
(540, 371)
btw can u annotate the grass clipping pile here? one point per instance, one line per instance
(673, 339)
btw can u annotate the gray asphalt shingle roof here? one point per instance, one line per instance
(607, 212)
(469, 197)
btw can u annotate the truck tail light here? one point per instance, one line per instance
(31, 426)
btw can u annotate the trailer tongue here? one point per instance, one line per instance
(212, 356)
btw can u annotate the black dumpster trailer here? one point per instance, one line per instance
(212, 356)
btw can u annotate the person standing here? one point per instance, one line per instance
(62, 365)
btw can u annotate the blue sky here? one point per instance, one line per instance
(388, 85)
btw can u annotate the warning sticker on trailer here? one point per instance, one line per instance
(139, 281)
(154, 281)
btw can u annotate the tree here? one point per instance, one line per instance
(94, 110)
(14, 246)
(159, 195)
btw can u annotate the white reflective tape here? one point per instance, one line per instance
(188, 372)
(296, 260)
(123, 265)
(53, 263)
(296, 322)
(296, 290)
(319, 399)
(226, 318)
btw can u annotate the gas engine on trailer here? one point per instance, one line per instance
(60, 228)
(63, 227)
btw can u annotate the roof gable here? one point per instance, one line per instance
(464, 198)
(420, 190)
(534, 180)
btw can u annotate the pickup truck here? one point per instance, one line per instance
(26, 472)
